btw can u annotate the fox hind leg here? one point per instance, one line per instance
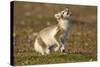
(38, 47)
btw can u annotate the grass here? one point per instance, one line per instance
(31, 59)
(30, 18)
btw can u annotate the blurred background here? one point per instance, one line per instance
(30, 18)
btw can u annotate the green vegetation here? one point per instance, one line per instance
(30, 58)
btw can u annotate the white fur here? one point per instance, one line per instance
(47, 35)
(38, 48)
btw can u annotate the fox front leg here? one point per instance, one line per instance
(62, 41)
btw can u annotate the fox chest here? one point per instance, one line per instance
(59, 33)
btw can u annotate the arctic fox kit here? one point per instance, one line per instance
(47, 36)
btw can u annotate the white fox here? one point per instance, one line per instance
(47, 37)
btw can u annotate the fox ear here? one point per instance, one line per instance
(57, 16)
(66, 9)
